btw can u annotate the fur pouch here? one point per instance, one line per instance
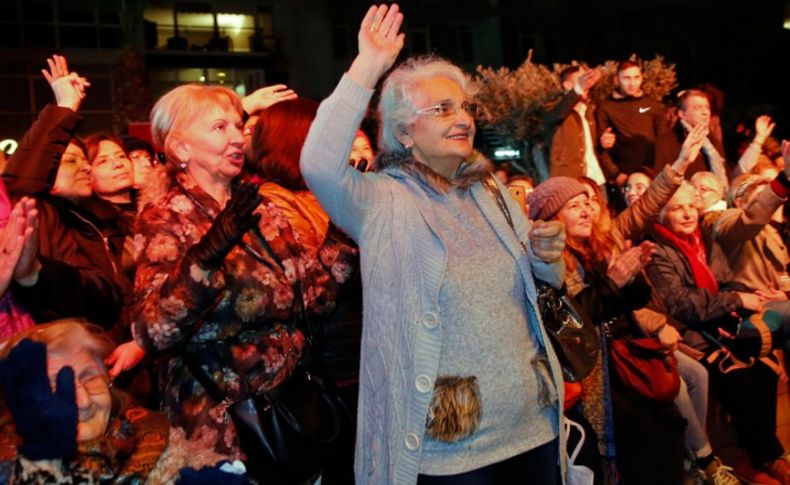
(455, 410)
(547, 391)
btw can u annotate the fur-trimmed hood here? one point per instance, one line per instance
(471, 171)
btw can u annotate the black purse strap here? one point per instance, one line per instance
(491, 186)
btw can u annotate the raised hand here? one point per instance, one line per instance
(14, 238)
(547, 239)
(229, 226)
(690, 149)
(625, 266)
(587, 80)
(44, 417)
(264, 97)
(380, 42)
(69, 87)
(763, 127)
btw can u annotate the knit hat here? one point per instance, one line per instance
(547, 198)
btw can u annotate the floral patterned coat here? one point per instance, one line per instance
(248, 305)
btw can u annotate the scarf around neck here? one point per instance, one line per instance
(693, 250)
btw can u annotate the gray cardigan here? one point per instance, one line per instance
(403, 264)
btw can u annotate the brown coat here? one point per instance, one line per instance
(565, 134)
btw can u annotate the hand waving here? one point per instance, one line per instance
(690, 149)
(587, 79)
(264, 97)
(46, 420)
(69, 87)
(380, 42)
(763, 127)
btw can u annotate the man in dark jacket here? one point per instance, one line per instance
(636, 121)
(570, 128)
(693, 109)
(71, 268)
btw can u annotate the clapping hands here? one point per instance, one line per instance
(625, 266)
(15, 239)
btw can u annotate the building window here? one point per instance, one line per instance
(202, 27)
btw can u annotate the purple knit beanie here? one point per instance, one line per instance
(547, 198)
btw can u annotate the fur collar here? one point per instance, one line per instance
(471, 171)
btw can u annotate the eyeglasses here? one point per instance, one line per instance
(445, 109)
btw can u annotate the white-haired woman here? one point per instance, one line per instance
(458, 381)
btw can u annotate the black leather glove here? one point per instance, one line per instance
(230, 225)
(46, 420)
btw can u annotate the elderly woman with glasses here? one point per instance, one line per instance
(458, 381)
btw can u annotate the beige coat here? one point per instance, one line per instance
(755, 250)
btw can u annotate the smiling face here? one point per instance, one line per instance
(92, 386)
(111, 170)
(441, 142)
(212, 146)
(680, 214)
(73, 180)
(577, 216)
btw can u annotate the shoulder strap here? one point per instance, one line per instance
(491, 186)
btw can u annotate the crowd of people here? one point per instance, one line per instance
(165, 301)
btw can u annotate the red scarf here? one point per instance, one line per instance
(694, 251)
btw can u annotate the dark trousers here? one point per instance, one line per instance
(538, 466)
(749, 396)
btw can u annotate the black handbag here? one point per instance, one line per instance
(290, 432)
(571, 332)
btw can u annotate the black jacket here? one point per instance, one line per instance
(637, 123)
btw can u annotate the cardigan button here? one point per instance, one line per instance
(431, 320)
(412, 441)
(423, 383)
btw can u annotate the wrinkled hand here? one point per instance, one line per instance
(751, 301)
(46, 420)
(608, 139)
(625, 266)
(763, 127)
(587, 79)
(547, 239)
(380, 42)
(14, 238)
(669, 337)
(123, 358)
(230, 225)
(267, 96)
(69, 87)
(690, 149)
